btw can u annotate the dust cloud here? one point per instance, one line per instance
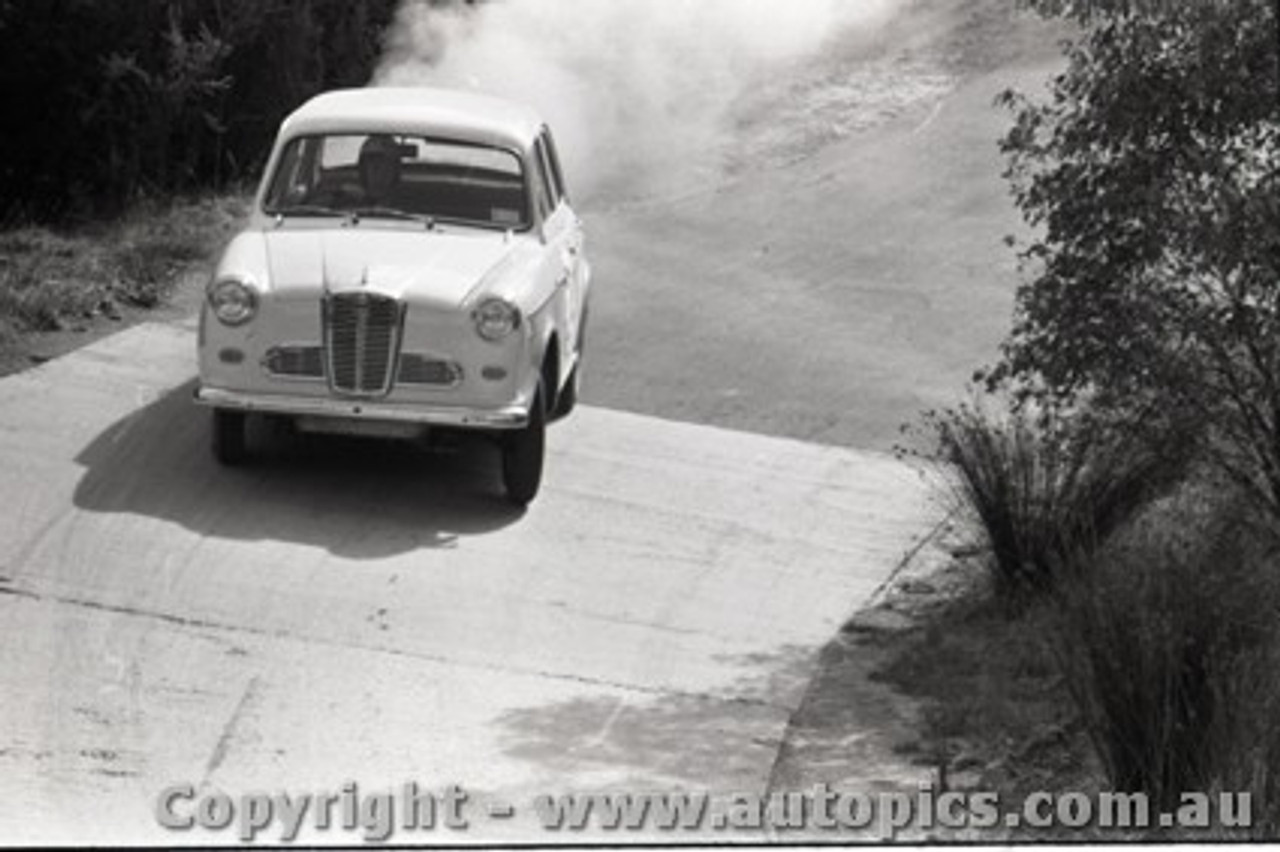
(638, 92)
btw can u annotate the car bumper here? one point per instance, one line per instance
(509, 417)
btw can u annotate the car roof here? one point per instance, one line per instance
(449, 113)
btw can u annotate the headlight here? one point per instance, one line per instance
(233, 301)
(496, 318)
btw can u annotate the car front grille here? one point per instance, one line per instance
(362, 342)
(295, 362)
(418, 369)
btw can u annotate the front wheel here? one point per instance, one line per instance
(523, 452)
(568, 397)
(229, 445)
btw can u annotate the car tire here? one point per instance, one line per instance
(523, 452)
(229, 444)
(568, 398)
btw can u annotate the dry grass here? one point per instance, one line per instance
(50, 279)
(996, 711)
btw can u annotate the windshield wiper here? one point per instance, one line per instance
(483, 224)
(390, 213)
(305, 210)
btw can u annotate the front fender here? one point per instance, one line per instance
(246, 257)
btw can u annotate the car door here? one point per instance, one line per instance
(563, 234)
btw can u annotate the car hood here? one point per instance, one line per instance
(419, 266)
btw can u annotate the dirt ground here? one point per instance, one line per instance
(958, 695)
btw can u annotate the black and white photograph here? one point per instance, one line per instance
(536, 424)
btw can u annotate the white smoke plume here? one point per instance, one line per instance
(634, 89)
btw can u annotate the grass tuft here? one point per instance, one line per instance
(1038, 487)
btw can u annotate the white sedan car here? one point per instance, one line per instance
(412, 263)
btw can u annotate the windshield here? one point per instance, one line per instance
(397, 177)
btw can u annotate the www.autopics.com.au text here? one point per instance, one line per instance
(378, 816)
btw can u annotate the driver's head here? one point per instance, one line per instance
(379, 167)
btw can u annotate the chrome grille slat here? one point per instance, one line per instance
(362, 342)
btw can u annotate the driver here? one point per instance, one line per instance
(379, 166)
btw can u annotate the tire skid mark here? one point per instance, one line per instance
(438, 659)
(36, 539)
(248, 698)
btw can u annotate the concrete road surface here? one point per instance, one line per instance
(374, 613)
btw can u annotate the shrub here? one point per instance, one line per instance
(1168, 641)
(1149, 178)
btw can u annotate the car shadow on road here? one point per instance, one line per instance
(356, 498)
(725, 742)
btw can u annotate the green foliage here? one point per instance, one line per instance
(1039, 487)
(1152, 175)
(107, 100)
(1169, 638)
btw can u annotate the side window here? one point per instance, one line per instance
(553, 160)
(297, 174)
(290, 183)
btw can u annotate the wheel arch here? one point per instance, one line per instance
(551, 371)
